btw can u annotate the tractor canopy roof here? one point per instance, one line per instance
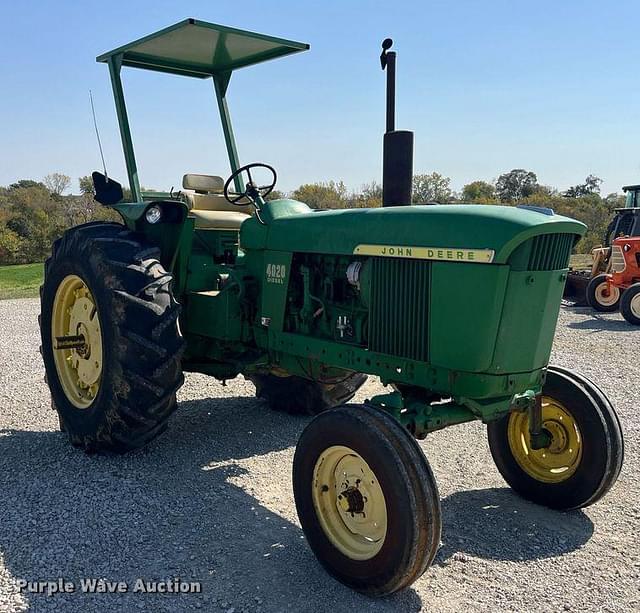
(631, 188)
(199, 49)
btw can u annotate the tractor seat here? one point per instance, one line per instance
(209, 207)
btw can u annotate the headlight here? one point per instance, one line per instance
(153, 214)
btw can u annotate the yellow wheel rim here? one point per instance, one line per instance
(561, 458)
(349, 503)
(75, 315)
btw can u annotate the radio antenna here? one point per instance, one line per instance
(95, 125)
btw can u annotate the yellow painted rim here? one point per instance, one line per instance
(349, 503)
(561, 458)
(75, 313)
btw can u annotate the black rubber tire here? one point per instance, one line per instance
(299, 396)
(142, 344)
(593, 300)
(602, 439)
(611, 419)
(625, 304)
(409, 487)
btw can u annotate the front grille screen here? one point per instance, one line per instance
(399, 315)
(617, 259)
(550, 252)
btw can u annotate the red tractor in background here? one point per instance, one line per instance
(612, 270)
(620, 287)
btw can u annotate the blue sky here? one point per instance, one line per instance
(486, 85)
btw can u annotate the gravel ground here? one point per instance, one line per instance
(211, 501)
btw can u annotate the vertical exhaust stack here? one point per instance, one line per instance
(397, 156)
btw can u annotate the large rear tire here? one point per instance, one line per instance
(603, 296)
(108, 299)
(366, 499)
(299, 396)
(585, 453)
(630, 304)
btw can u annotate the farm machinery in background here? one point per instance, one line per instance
(453, 307)
(613, 280)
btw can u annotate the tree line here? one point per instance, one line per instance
(35, 213)
(518, 186)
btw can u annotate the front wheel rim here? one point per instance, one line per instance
(607, 294)
(349, 503)
(560, 459)
(79, 369)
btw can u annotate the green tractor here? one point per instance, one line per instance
(454, 308)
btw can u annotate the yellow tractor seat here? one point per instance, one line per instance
(209, 207)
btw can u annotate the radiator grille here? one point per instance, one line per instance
(617, 259)
(550, 252)
(399, 315)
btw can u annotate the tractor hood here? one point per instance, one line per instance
(482, 233)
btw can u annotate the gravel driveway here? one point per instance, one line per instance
(211, 501)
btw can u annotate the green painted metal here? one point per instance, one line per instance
(115, 64)
(220, 84)
(455, 305)
(400, 327)
(200, 49)
(197, 49)
(498, 228)
(421, 417)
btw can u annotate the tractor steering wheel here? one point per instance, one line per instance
(251, 191)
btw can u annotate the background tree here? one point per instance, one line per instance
(615, 201)
(275, 194)
(10, 246)
(329, 195)
(33, 215)
(369, 196)
(479, 192)
(83, 208)
(86, 185)
(57, 183)
(432, 187)
(25, 183)
(591, 185)
(516, 184)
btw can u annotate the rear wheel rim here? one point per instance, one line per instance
(634, 305)
(606, 294)
(560, 459)
(349, 503)
(74, 313)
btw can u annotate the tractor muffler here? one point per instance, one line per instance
(397, 157)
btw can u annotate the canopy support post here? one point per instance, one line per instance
(115, 64)
(220, 83)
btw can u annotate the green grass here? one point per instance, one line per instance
(21, 281)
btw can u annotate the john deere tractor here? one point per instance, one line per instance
(454, 308)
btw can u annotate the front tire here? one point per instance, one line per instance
(630, 304)
(584, 457)
(602, 296)
(299, 396)
(366, 499)
(106, 295)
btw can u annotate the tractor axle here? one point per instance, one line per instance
(76, 341)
